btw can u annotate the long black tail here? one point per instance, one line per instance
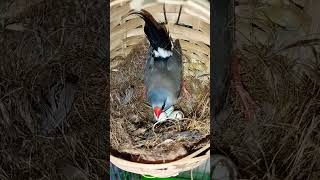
(156, 33)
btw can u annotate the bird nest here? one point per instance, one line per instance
(53, 87)
(280, 71)
(133, 137)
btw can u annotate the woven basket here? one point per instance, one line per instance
(167, 169)
(194, 36)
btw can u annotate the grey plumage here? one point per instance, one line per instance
(163, 69)
(162, 77)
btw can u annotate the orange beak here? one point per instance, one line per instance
(157, 111)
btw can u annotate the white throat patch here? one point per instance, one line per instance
(162, 53)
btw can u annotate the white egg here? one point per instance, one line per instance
(177, 115)
(169, 114)
(162, 117)
(169, 111)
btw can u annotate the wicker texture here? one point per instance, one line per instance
(164, 170)
(127, 31)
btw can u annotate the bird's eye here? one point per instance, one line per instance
(164, 104)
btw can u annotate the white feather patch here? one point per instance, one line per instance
(162, 53)
(136, 4)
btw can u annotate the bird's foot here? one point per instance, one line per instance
(248, 105)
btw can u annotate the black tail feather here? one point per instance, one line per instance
(156, 33)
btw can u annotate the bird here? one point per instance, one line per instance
(163, 69)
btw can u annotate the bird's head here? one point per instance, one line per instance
(158, 107)
(159, 103)
(157, 111)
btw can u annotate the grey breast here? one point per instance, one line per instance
(164, 73)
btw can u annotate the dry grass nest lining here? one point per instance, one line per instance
(283, 141)
(132, 137)
(31, 61)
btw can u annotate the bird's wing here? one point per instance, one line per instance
(148, 69)
(175, 67)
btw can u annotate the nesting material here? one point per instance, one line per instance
(37, 60)
(281, 143)
(132, 121)
(136, 147)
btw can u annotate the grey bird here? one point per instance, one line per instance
(163, 69)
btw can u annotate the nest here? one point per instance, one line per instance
(132, 136)
(53, 91)
(281, 75)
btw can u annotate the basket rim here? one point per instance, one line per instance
(202, 5)
(191, 158)
(121, 36)
(166, 169)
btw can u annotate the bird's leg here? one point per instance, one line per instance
(177, 22)
(248, 105)
(185, 92)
